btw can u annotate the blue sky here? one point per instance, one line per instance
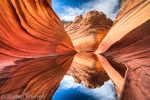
(68, 9)
(69, 90)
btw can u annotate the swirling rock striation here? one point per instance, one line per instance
(30, 28)
(32, 78)
(87, 32)
(128, 43)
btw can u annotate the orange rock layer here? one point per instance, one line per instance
(34, 77)
(87, 68)
(128, 42)
(132, 14)
(30, 28)
(87, 33)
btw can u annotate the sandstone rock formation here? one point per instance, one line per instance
(132, 14)
(34, 77)
(30, 28)
(65, 23)
(87, 33)
(116, 72)
(87, 68)
(128, 43)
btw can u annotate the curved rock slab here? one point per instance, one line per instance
(87, 68)
(34, 77)
(133, 13)
(87, 33)
(128, 42)
(30, 28)
(116, 72)
(136, 56)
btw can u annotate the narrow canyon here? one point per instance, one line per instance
(37, 50)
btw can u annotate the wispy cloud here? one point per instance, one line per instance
(70, 13)
(109, 7)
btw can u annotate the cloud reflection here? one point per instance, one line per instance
(69, 90)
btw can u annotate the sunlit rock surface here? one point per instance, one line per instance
(30, 28)
(34, 77)
(133, 13)
(87, 32)
(87, 68)
(128, 42)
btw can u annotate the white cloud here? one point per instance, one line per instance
(109, 7)
(104, 91)
(69, 82)
(70, 13)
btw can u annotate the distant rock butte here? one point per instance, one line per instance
(64, 23)
(30, 28)
(128, 42)
(87, 68)
(87, 32)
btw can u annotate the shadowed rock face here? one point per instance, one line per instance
(30, 28)
(87, 32)
(39, 77)
(87, 68)
(128, 43)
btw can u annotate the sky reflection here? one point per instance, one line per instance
(69, 90)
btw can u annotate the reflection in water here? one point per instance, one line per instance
(87, 80)
(116, 72)
(87, 68)
(69, 90)
(35, 77)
